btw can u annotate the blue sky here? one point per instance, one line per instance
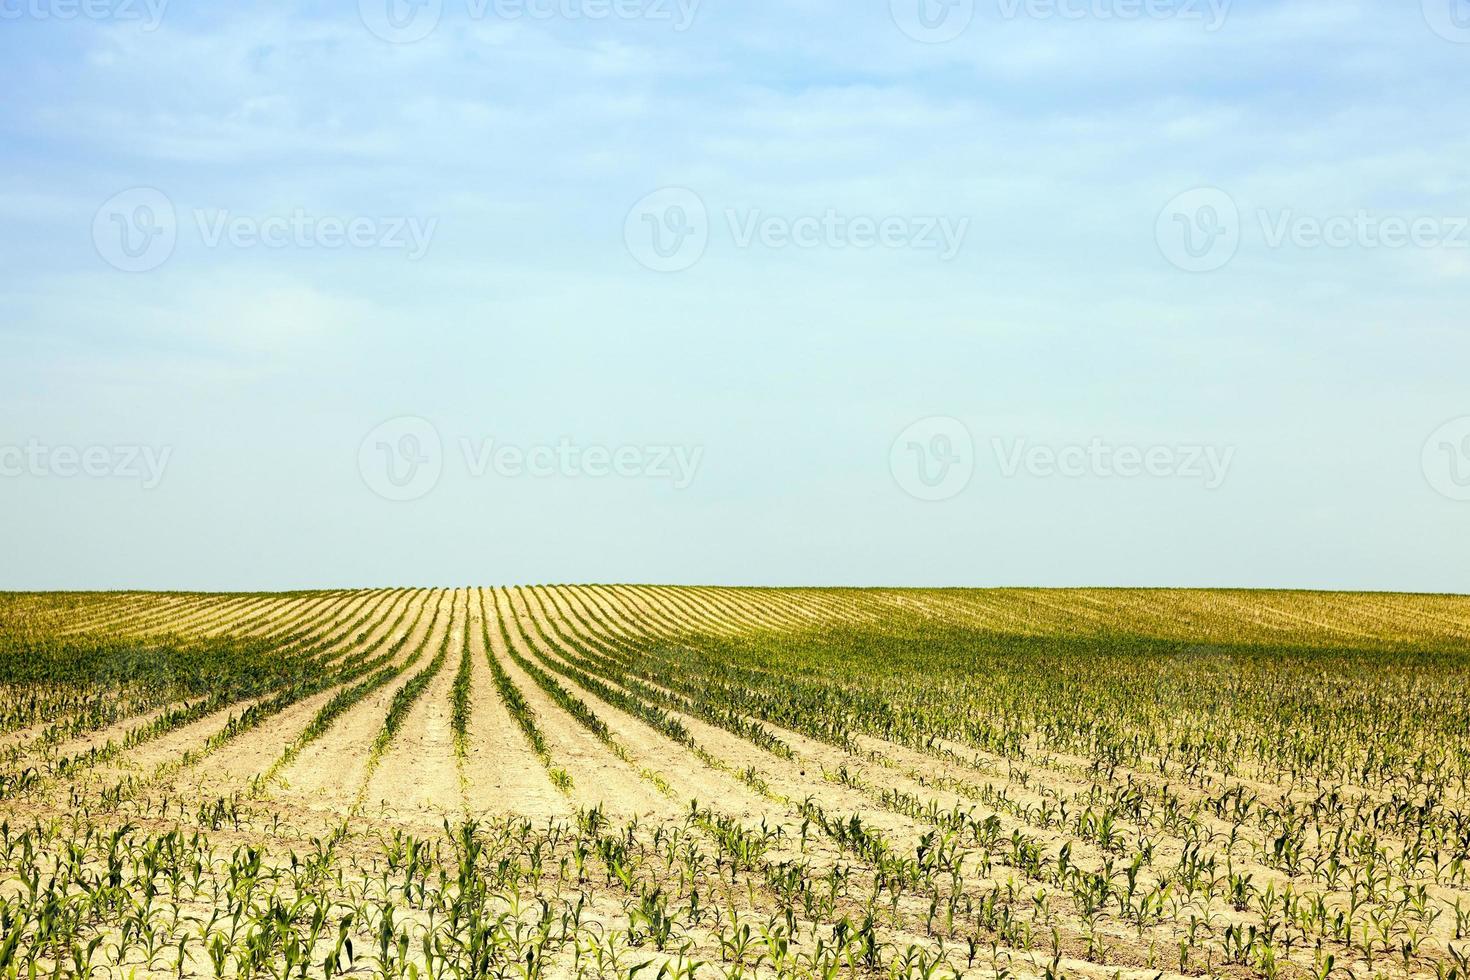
(1049, 292)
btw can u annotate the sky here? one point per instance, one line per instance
(823, 292)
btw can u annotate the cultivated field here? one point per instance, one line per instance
(676, 783)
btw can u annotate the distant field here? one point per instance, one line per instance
(674, 783)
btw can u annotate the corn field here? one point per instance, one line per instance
(622, 782)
